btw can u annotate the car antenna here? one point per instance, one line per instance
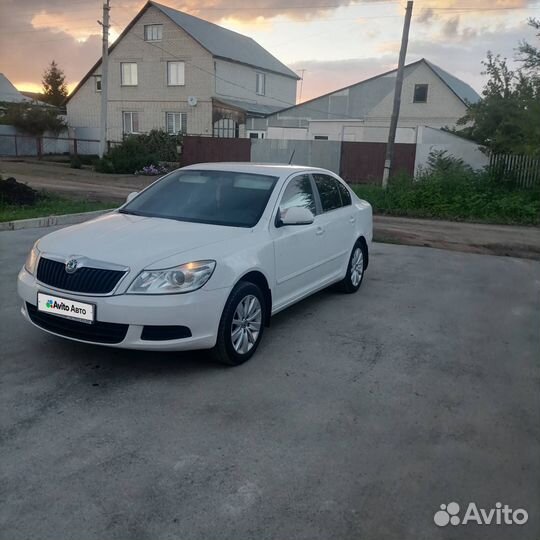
(292, 155)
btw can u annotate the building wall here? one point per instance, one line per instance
(152, 97)
(279, 91)
(430, 139)
(443, 107)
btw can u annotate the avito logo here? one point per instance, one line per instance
(49, 303)
(500, 515)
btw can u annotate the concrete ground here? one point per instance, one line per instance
(469, 237)
(358, 416)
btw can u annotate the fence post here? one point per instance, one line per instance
(16, 147)
(75, 146)
(39, 147)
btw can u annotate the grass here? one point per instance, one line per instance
(474, 197)
(51, 205)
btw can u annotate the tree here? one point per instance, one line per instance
(529, 54)
(33, 119)
(507, 119)
(54, 85)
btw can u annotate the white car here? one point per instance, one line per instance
(200, 259)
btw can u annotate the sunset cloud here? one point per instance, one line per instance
(337, 41)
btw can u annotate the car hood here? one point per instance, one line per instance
(134, 241)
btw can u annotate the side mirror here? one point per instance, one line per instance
(132, 195)
(297, 215)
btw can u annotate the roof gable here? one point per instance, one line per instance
(463, 91)
(225, 43)
(372, 90)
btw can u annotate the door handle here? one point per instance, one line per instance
(319, 231)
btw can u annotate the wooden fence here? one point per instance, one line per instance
(523, 170)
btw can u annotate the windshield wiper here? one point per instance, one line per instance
(131, 212)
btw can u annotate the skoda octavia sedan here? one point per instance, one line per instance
(201, 259)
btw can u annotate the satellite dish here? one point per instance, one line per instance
(192, 101)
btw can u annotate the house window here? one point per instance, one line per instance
(176, 122)
(129, 73)
(261, 84)
(98, 83)
(175, 73)
(321, 137)
(153, 32)
(420, 93)
(130, 122)
(256, 134)
(226, 127)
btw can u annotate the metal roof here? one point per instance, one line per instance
(249, 106)
(225, 43)
(8, 93)
(465, 92)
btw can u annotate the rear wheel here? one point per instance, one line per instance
(355, 270)
(241, 326)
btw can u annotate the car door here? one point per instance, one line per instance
(338, 223)
(296, 247)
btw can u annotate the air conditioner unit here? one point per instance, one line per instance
(192, 101)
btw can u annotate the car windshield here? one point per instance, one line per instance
(214, 197)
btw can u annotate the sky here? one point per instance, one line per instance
(332, 43)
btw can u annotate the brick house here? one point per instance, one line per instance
(170, 70)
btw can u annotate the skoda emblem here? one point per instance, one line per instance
(71, 265)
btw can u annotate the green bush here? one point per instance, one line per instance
(452, 190)
(138, 151)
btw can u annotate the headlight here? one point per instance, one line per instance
(32, 260)
(181, 279)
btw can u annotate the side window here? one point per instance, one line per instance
(298, 193)
(345, 195)
(328, 191)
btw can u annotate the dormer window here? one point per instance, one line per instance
(153, 32)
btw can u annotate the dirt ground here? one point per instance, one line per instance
(60, 178)
(469, 237)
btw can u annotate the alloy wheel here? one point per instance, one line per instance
(246, 324)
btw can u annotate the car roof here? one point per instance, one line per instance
(253, 168)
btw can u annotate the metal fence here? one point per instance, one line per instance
(355, 162)
(21, 145)
(523, 170)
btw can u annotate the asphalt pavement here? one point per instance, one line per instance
(357, 418)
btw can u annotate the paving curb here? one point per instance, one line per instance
(50, 221)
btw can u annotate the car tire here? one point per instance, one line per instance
(355, 269)
(241, 326)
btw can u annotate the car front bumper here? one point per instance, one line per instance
(200, 311)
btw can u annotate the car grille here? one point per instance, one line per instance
(84, 280)
(98, 332)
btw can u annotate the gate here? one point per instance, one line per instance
(212, 149)
(363, 162)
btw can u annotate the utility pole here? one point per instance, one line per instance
(397, 96)
(104, 78)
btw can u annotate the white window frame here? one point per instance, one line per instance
(180, 75)
(132, 79)
(155, 31)
(260, 83)
(130, 115)
(178, 117)
(97, 81)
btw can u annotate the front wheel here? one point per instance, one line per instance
(241, 326)
(355, 270)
